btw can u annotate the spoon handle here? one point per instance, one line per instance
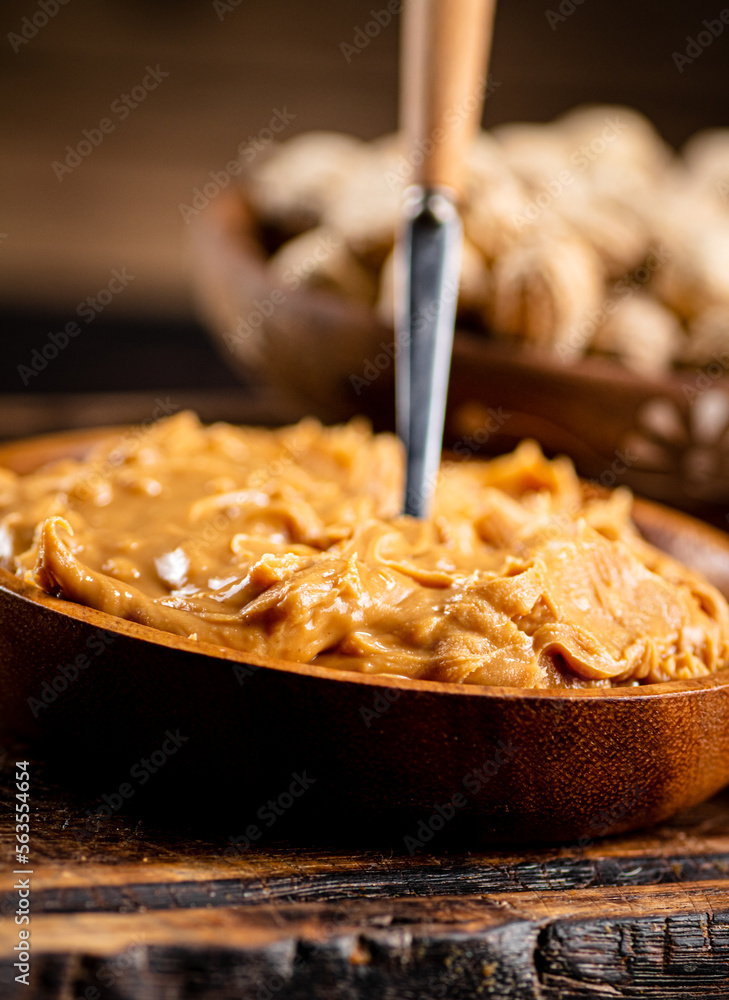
(445, 43)
(443, 81)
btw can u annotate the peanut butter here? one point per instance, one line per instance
(289, 543)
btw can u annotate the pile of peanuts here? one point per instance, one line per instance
(586, 235)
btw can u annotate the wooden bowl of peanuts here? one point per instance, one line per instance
(593, 305)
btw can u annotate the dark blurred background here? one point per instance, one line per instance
(230, 67)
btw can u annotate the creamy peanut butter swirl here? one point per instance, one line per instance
(289, 543)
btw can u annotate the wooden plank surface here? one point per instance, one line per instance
(120, 908)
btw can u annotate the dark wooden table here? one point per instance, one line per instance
(122, 910)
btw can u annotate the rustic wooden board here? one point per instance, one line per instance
(123, 909)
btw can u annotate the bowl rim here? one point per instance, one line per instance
(28, 593)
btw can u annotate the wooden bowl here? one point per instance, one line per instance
(227, 732)
(665, 437)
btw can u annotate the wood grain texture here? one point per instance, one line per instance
(445, 47)
(133, 911)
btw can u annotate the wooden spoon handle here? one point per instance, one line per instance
(445, 45)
